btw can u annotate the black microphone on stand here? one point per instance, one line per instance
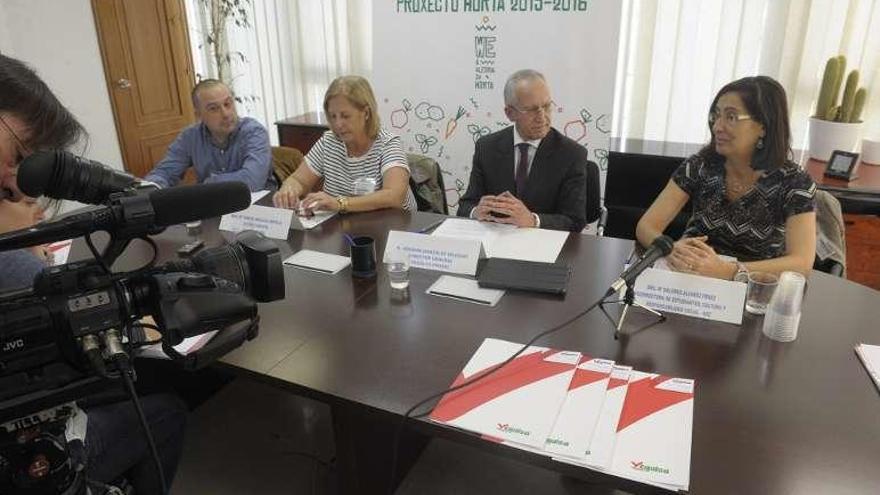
(661, 247)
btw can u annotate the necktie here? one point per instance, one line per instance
(522, 169)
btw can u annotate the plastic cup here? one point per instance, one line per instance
(784, 311)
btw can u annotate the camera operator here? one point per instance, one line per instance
(32, 118)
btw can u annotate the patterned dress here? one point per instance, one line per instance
(752, 227)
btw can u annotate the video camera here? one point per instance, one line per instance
(79, 324)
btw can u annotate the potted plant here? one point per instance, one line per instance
(837, 126)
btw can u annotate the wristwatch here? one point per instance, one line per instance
(742, 273)
(343, 203)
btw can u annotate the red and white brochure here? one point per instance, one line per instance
(654, 432)
(519, 402)
(602, 443)
(579, 415)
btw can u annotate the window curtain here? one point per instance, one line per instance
(676, 54)
(286, 53)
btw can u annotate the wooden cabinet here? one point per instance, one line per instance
(301, 132)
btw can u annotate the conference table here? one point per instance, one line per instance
(769, 417)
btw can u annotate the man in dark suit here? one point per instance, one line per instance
(529, 174)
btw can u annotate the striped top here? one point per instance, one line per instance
(329, 159)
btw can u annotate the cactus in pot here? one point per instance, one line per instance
(849, 110)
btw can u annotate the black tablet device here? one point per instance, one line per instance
(842, 165)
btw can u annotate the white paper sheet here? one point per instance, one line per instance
(256, 196)
(188, 345)
(464, 289)
(507, 241)
(318, 261)
(308, 223)
(60, 251)
(870, 356)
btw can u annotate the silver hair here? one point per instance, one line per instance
(517, 77)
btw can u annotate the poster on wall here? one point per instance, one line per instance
(439, 68)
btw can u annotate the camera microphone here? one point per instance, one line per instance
(139, 214)
(661, 247)
(62, 175)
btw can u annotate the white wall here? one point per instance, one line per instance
(58, 39)
(5, 40)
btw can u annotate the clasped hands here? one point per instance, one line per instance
(504, 204)
(693, 255)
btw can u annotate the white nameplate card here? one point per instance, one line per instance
(691, 295)
(271, 222)
(443, 254)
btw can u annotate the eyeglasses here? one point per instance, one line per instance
(545, 108)
(23, 150)
(729, 118)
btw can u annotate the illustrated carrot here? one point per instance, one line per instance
(450, 127)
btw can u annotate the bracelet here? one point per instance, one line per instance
(343, 203)
(741, 274)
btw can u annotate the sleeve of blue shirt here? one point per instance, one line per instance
(170, 169)
(257, 160)
(18, 269)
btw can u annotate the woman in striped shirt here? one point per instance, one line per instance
(354, 158)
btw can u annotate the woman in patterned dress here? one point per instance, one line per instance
(750, 201)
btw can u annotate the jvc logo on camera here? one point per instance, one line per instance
(13, 345)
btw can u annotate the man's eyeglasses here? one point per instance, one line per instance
(545, 108)
(23, 150)
(730, 118)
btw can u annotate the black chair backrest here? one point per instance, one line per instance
(632, 182)
(594, 199)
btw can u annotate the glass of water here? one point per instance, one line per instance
(759, 292)
(398, 269)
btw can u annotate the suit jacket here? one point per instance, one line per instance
(562, 187)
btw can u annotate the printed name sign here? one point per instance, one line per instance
(271, 222)
(691, 295)
(443, 254)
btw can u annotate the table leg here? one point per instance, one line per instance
(364, 443)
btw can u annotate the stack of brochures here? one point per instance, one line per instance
(579, 410)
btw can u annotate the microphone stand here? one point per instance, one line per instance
(628, 301)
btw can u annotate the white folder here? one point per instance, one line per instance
(577, 419)
(602, 443)
(519, 402)
(653, 441)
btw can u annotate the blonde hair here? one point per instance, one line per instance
(358, 92)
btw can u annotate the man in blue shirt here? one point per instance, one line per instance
(221, 147)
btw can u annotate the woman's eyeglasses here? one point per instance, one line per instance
(22, 149)
(729, 118)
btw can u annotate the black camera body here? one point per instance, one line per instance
(43, 331)
(76, 330)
